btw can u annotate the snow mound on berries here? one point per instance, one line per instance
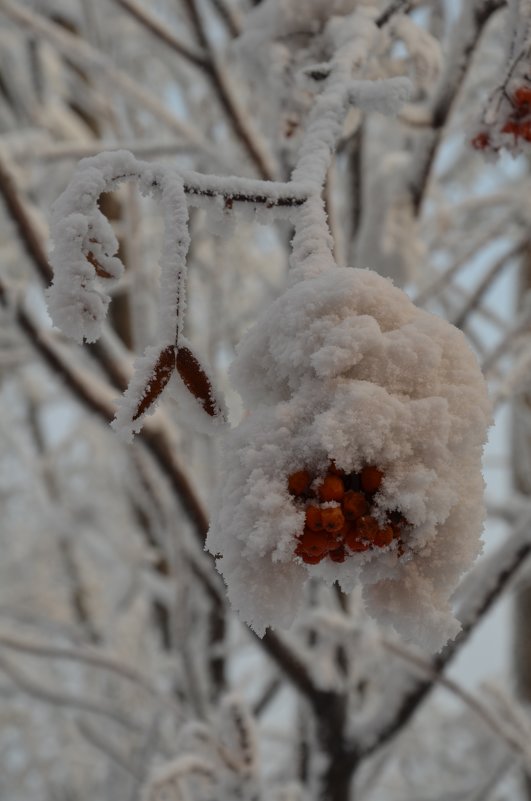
(343, 366)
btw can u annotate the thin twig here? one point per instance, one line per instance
(29, 237)
(83, 656)
(146, 18)
(506, 564)
(83, 55)
(108, 748)
(330, 210)
(55, 698)
(512, 738)
(395, 7)
(239, 119)
(76, 151)
(523, 326)
(485, 283)
(291, 665)
(462, 261)
(229, 15)
(268, 694)
(473, 22)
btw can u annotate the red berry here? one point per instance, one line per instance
(333, 520)
(299, 482)
(480, 141)
(309, 559)
(367, 528)
(331, 489)
(384, 536)
(512, 127)
(313, 543)
(314, 518)
(371, 478)
(356, 545)
(338, 555)
(522, 97)
(354, 505)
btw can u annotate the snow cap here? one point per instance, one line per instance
(344, 368)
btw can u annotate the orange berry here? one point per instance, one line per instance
(331, 489)
(512, 127)
(299, 482)
(522, 96)
(354, 505)
(338, 555)
(526, 130)
(313, 560)
(371, 478)
(333, 520)
(314, 518)
(384, 536)
(367, 528)
(480, 141)
(356, 544)
(313, 543)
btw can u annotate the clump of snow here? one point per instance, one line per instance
(344, 367)
(78, 298)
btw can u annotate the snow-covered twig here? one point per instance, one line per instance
(92, 658)
(85, 56)
(496, 574)
(396, 7)
(146, 18)
(26, 228)
(490, 275)
(55, 698)
(76, 151)
(467, 32)
(521, 327)
(513, 737)
(108, 748)
(238, 117)
(229, 15)
(435, 286)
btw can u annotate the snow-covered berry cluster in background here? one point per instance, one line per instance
(511, 123)
(506, 120)
(359, 459)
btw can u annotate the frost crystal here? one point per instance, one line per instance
(343, 369)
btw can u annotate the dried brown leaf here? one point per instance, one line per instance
(158, 380)
(101, 271)
(196, 380)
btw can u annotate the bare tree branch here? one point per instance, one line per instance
(146, 18)
(238, 117)
(55, 698)
(505, 565)
(84, 55)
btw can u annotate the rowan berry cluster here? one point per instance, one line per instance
(518, 122)
(340, 517)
